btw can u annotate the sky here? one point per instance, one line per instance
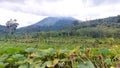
(28, 12)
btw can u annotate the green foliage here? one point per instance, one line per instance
(104, 51)
(87, 64)
(30, 50)
(2, 65)
(108, 61)
(82, 57)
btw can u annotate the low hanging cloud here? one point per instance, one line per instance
(80, 9)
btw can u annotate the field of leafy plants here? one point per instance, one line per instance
(77, 55)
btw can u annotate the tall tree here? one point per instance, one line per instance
(11, 26)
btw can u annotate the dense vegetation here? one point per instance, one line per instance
(89, 44)
(59, 52)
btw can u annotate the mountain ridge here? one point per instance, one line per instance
(49, 23)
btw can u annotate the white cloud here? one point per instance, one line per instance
(30, 11)
(23, 19)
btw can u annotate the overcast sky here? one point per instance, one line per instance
(28, 12)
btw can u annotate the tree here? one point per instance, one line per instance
(11, 26)
(75, 25)
(118, 19)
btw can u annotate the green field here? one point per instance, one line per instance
(60, 52)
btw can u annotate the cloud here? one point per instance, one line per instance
(47, 0)
(37, 7)
(24, 19)
(44, 7)
(104, 2)
(80, 9)
(12, 1)
(56, 7)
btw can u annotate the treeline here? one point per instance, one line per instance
(97, 32)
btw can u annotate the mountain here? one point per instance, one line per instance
(50, 24)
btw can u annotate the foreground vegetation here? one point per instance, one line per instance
(90, 44)
(54, 52)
